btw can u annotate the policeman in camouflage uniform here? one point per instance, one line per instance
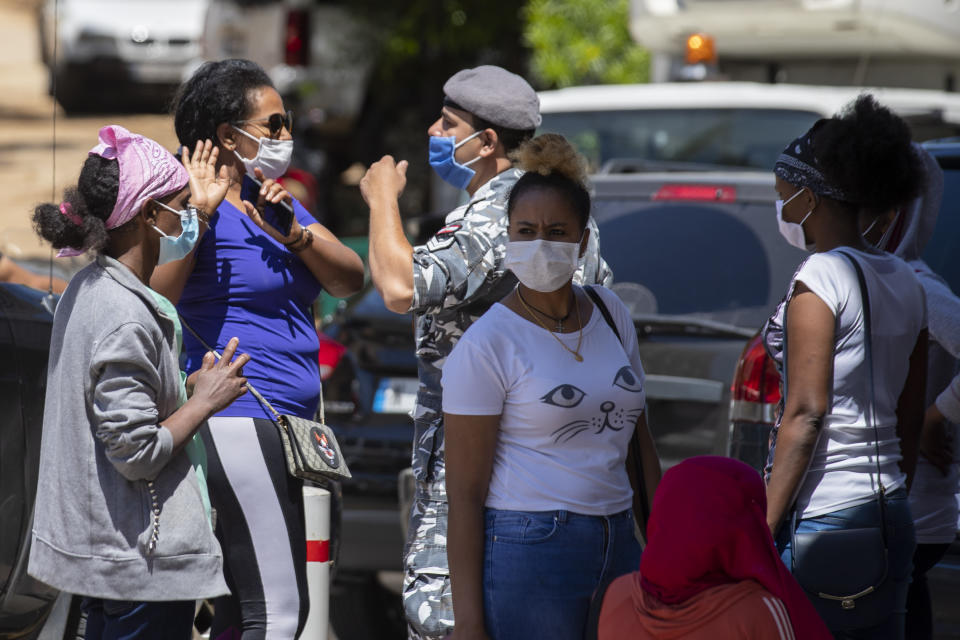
(448, 283)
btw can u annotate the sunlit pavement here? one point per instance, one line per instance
(26, 132)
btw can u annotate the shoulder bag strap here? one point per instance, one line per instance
(633, 449)
(868, 356)
(256, 394)
(604, 311)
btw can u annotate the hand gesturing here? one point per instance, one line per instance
(208, 187)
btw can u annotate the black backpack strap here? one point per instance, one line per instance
(604, 311)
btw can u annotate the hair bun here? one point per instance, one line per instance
(550, 153)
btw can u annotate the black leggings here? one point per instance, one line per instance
(261, 529)
(919, 611)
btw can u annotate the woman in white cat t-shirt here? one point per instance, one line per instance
(540, 400)
(846, 446)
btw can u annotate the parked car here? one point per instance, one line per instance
(101, 52)
(25, 324)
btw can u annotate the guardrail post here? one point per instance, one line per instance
(316, 511)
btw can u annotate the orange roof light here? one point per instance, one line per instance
(701, 49)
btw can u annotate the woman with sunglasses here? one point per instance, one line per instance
(253, 278)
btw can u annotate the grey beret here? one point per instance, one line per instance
(496, 95)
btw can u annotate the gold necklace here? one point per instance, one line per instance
(559, 320)
(576, 302)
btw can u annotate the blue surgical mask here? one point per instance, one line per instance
(177, 248)
(442, 160)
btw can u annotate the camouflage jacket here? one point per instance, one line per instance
(457, 276)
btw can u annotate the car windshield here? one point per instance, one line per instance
(740, 137)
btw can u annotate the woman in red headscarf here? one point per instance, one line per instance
(710, 569)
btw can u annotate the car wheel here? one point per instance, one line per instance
(363, 609)
(72, 93)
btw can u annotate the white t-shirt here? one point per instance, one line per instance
(843, 468)
(564, 425)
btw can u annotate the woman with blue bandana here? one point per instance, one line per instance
(851, 340)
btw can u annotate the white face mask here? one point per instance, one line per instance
(542, 265)
(792, 232)
(273, 156)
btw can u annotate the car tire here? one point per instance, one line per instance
(363, 609)
(72, 93)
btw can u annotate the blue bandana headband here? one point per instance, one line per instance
(798, 165)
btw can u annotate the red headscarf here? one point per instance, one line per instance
(708, 526)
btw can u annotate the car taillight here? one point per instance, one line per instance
(297, 50)
(329, 356)
(754, 398)
(696, 192)
(756, 379)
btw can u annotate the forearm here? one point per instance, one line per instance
(185, 421)
(911, 407)
(465, 531)
(335, 266)
(796, 442)
(391, 255)
(649, 459)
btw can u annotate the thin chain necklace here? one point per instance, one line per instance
(559, 321)
(576, 302)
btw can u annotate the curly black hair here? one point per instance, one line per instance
(552, 163)
(217, 92)
(92, 200)
(866, 151)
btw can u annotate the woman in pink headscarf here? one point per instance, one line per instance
(710, 569)
(120, 509)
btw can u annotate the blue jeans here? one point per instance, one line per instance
(129, 620)
(541, 568)
(901, 542)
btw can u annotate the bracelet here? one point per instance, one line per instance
(308, 240)
(201, 215)
(290, 244)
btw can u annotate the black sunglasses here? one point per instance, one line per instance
(275, 123)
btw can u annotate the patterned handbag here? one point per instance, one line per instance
(311, 449)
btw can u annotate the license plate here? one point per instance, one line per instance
(396, 395)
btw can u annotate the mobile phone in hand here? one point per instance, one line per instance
(279, 216)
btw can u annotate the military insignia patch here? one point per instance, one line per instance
(445, 237)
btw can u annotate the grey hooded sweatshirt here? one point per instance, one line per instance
(119, 513)
(932, 500)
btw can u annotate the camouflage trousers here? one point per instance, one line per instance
(427, 599)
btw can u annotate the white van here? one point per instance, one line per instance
(717, 125)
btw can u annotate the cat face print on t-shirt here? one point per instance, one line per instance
(616, 410)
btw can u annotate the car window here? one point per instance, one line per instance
(944, 246)
(726, 263)
(722, 137)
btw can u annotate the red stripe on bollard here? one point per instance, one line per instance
(318, 550)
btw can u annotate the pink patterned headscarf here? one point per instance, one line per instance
(147, 170)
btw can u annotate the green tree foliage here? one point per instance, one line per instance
(583, 42)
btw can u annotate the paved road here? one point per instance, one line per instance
(26, 132)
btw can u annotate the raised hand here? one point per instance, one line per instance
(271, 192)
(384, 179)
(208, 187)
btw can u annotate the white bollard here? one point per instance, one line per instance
(316, 511)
